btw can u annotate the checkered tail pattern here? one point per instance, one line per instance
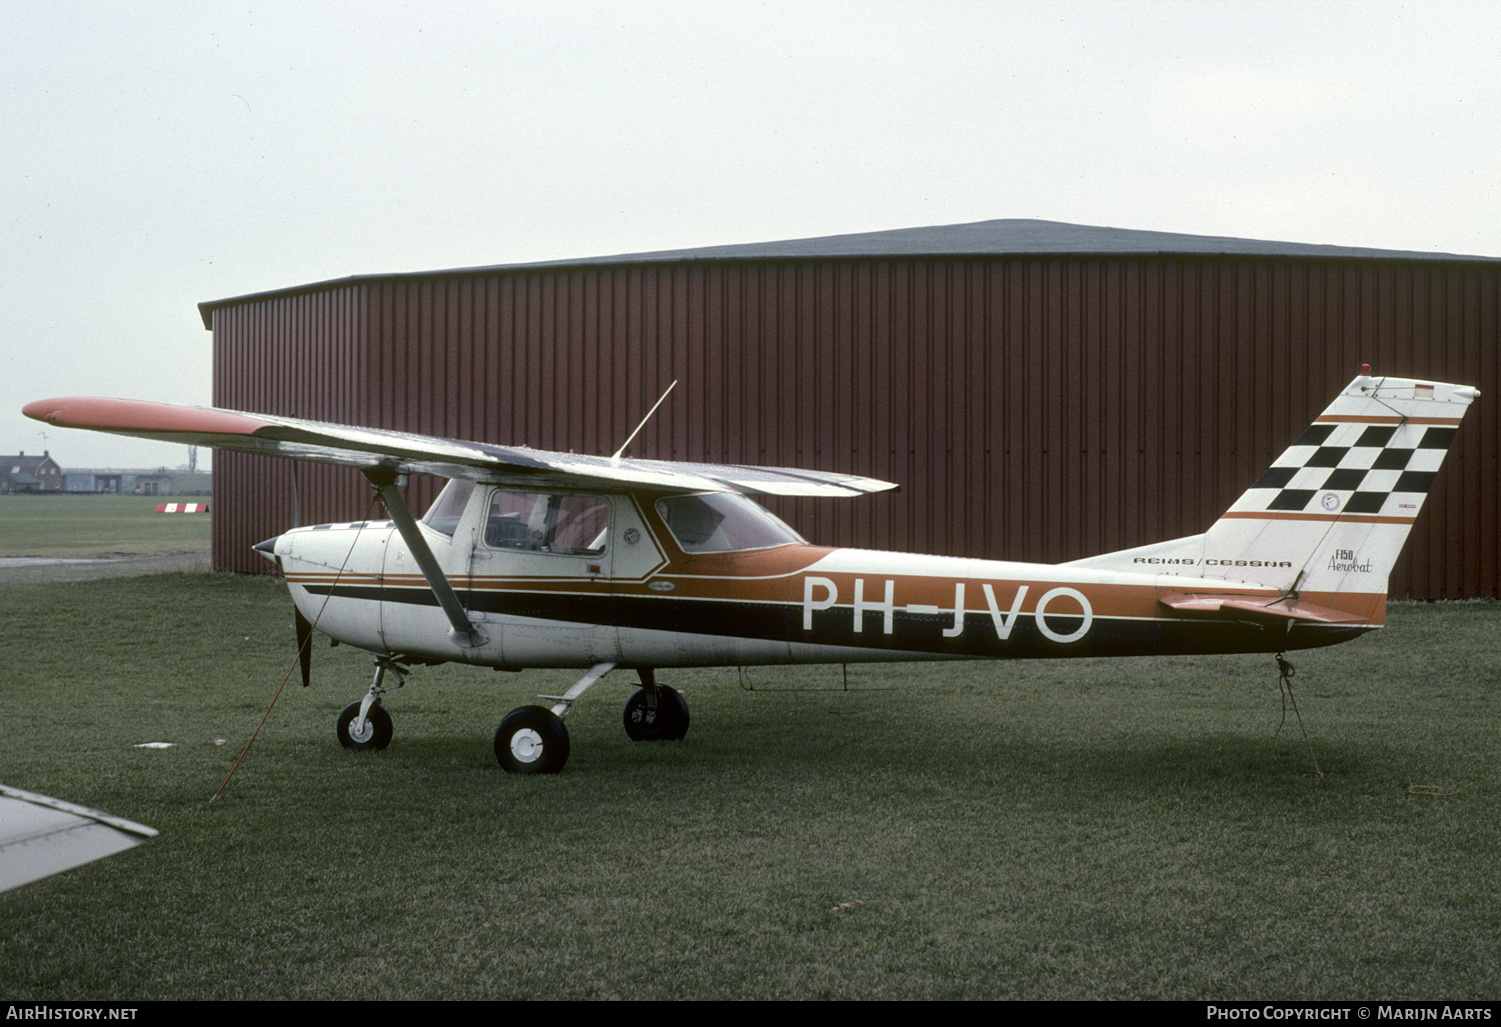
(1333, 511)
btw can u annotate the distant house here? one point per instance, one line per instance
(152, 485)
(22, 473)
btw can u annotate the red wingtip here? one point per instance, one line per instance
(43, 409)
(133, 415)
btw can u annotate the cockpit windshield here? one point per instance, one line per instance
(446, 510)
(723, 522)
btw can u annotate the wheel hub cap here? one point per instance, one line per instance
(526, 746)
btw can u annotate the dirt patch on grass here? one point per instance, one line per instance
(28, 570)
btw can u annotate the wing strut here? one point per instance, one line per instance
(464, 634)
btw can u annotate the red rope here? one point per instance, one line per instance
(298, 656)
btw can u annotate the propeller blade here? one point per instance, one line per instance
(304, 646)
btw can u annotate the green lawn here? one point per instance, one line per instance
(1084, 829)
(86, 526)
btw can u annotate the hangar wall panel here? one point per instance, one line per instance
(1043, 408)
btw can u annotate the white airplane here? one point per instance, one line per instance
(537, 559)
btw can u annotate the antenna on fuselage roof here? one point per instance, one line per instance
(653, 410)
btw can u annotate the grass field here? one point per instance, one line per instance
(1089, 829)
(97, 527)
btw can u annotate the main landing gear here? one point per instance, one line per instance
(533, 740)
(656, 714)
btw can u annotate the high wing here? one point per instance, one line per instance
(400, 452)
(41, 836)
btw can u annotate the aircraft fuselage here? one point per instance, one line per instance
(639, 599)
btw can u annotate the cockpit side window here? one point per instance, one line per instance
(548, 522)
(722, 522)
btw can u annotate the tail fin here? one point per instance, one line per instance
(1332, 512)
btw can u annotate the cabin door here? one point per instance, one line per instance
(539, 577)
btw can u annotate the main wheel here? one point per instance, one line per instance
(667, 723)
(531, 740)
(377, 733)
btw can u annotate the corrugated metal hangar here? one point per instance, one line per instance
(1042, 391)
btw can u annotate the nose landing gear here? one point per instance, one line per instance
(366, 724)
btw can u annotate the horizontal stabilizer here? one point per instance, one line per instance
(1243, 607)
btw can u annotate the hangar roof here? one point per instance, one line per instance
(1011, 237)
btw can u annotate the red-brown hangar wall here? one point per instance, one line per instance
(1038, 408)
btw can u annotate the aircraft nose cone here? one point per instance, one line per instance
(268, 548)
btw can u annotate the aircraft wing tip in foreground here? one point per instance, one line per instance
(41, 836)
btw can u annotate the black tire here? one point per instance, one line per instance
(531, 740)
(667, 723)
(377, 734)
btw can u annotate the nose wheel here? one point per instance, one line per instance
(366, 724)
(374, 733)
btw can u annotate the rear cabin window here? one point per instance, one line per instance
(548, 522)
(723, 522)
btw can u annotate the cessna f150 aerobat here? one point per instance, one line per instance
(536, 559)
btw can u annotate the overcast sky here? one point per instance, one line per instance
(159, 154)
